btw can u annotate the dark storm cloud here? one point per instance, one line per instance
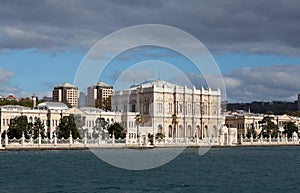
(264, 83)
(269, 83)
(224, 26)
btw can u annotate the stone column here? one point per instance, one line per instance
(99, 138)
(113, 138)
(146, 140)
(6, 138)
(229, 137)
(23, 138)
(55, 139)
(70, 138)
(85, 139)
(39, 139)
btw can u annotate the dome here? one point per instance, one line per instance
(52, 106)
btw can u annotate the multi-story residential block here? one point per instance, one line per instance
(99, 95)
(82, 100)
(66, 93)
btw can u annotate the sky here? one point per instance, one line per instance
(254, 43)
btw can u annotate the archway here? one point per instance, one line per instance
(170, 131)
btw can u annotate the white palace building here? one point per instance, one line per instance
(197, 112)
(175, 111)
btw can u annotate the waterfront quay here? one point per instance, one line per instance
(85, 143)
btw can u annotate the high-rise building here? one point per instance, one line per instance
(66, 93)
(82, 99)
(99, 95)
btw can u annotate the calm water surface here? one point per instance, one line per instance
(251, 169)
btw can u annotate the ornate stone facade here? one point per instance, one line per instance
(173, 110)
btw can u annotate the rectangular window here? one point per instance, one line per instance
(159, 107)
(146, 108)
(133, 108)
(180, 108)
(170, 108)
(188, 108)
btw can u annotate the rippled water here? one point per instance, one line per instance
(251, 169)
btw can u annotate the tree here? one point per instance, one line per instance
(117, 130)
(289, 128)
(27, 102)
(159, 136)
(17, 126)
(150, 138)
(67, 126)
(174, 122)
(101, 123)
(8, 102)
(38, 128)
(251, 132)
(294, 113)
(268, 127)
(138, 120)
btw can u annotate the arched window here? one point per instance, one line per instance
(199, 132)
(189, 131)
(180, 131)
(170, 131)
(159, 128)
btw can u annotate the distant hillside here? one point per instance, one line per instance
(275, 107)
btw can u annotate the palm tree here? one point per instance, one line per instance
(138, 120)
(175, 123)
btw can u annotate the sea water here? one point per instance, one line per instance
(246, 169)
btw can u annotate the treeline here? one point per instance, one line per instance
(26, 102)
(20, 125)
(270, 129)
(274, 107)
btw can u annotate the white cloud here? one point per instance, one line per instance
(279, 82)
(134, 75)
(231, 83)
(5, 82)
(267, 83)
